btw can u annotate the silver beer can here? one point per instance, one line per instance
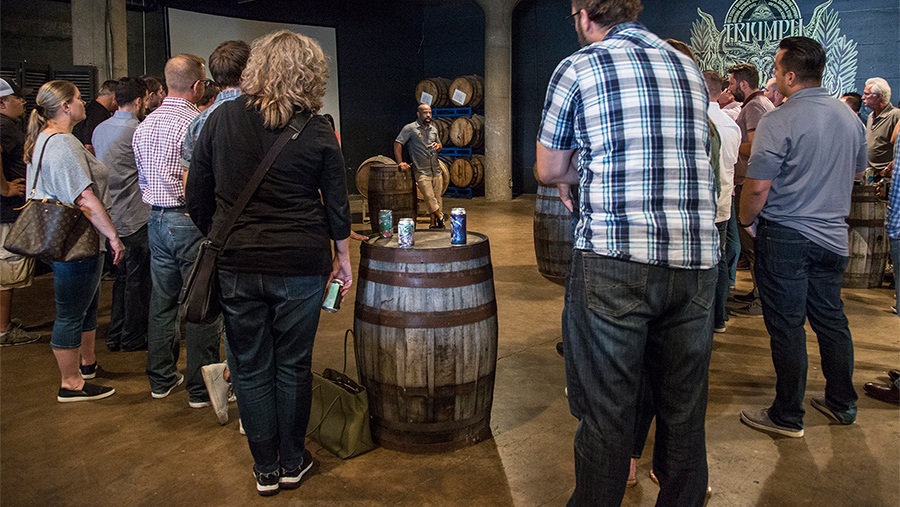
(406, 230)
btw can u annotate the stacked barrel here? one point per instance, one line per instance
(456, 105)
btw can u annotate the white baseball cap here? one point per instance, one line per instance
(7, 88)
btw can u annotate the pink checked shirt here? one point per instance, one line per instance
(157, 146)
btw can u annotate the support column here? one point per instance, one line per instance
(497, 105)
(100, 37)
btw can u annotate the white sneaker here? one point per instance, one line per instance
(218, 387)
(241, 429)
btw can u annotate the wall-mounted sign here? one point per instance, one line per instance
(753, 29)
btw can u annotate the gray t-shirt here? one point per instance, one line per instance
(878, 136)
(112, 143)
(67, 169)
(810, 148)
(751, 112)
(418, 140)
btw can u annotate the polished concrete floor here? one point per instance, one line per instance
(131, 449)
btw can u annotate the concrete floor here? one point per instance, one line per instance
(133, 450)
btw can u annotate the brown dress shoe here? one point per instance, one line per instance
(888, 394)
(894, 375)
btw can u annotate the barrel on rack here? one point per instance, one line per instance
(443, 129)
(437, 90)
(445, 174)
(362, 173)
(425, 326)
(393, 189)
(869, 244)
(553, 237)
(467, 131)
(467, 91)
(467, 172)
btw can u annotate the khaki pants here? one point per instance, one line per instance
(431, 187)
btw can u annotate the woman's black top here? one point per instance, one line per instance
(286, 227)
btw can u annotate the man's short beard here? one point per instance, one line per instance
(738, 95)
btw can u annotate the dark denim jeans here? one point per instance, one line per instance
(895, 258)
(732, 246)
(131, 295)
(621, 318)
(76, 291)
(174, 242)
(270, 325)
(798, 280)
(720, 315)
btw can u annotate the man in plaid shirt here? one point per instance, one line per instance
(625, 119)
(173, 237)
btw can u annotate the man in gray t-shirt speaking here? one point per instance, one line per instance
(795, 202)
(421, 138)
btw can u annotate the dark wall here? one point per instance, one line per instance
(146, 42)
(453, 40)
(38, 32)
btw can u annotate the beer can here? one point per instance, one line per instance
(406, 230)
(386, 223)
(870, 176)
(458, 226)
(332, 301)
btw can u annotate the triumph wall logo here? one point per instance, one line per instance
(753, 29)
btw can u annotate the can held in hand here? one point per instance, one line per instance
(458, 226)
(332, 301)
(386, 223)
(406, 230)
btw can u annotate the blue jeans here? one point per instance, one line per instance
(131, 295)
(174, 242)
(76, 290)
(720, 315)
(798, 280)
(895, 259)
(732, 246)
(270, 325)
(620, 320)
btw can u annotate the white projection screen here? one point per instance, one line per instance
(199, 34)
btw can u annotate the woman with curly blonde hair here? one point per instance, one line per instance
(278, 258)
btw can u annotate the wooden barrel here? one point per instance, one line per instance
(553, 237)
(467, 172)
(467, 131)
(442, 125)
(436, 87)
(445, 174)
(467, 91)
(362, 173)
(869, 244)
(426, 340)
(393, 189)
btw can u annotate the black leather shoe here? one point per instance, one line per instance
(439, 223)
(887, 394)
(559, 349)
(894, 375)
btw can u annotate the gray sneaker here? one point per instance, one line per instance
(752, 310)
(17, 336)
(219, 389)
(759, 420)
(819, 404)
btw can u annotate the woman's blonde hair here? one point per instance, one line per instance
(286, 71)
(50, 98)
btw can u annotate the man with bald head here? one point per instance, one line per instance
(422, 140)
(174, 239)
(773, 94)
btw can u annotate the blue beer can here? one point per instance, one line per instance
(458, 226)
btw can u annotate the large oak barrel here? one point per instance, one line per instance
(869, 244)
(466, 131)
(553, 237)
(467, 172)
(362, 173)
(436, 87)
(393, 189)
(426, 340)
(467, 91)
(445, 182)
(442, 125)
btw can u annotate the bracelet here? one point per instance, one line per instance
(746, 225)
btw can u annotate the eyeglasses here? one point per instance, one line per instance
(200, 81)
(572, 19)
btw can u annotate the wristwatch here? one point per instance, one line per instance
(746, 225)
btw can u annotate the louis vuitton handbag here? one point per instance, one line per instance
(50, 230)
(339, 417)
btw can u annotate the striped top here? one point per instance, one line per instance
(635, 109)
(892, 224)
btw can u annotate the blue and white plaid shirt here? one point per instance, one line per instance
(636, 111)
(892, 223)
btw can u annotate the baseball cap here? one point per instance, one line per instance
(10, 88)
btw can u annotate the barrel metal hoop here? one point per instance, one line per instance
(429, 255)
(427, 280)
(426, 320)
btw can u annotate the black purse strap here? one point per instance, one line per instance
(219, 236)
(37, 171)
